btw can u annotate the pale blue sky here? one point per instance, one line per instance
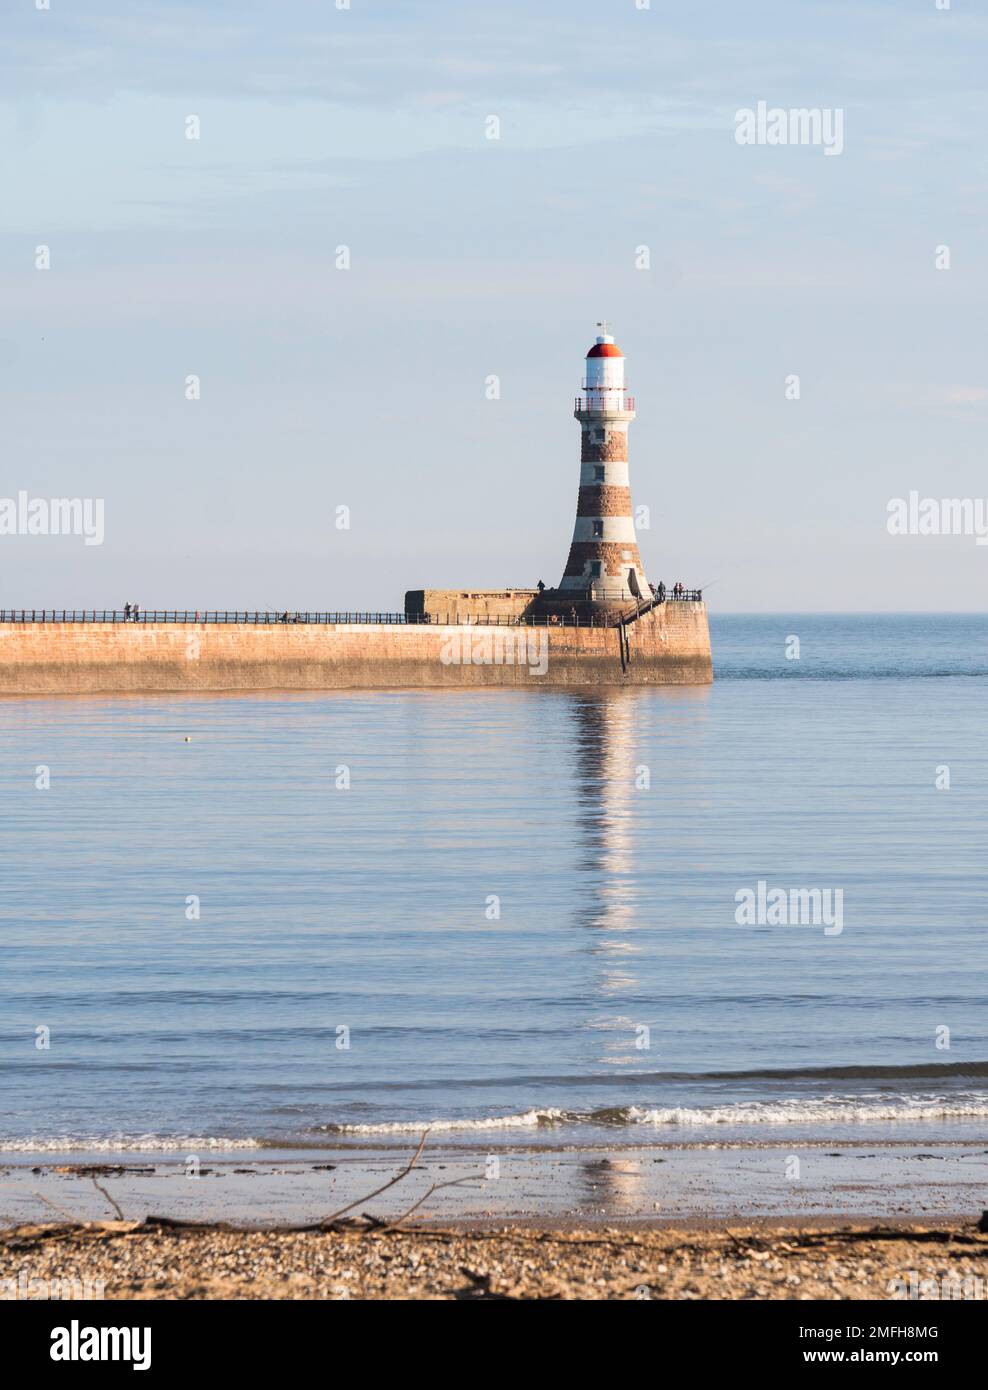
(471, 257)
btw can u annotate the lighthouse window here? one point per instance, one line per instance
(597, 436)
(596, 569)
(598, 473)
(598, 528)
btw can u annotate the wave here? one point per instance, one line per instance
(528, 1119)
(818, 1112)
(840, 673)
(125, 1143)
(909, 1071)
(826, 1110)
(903, 1073)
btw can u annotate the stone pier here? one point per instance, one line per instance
(669, 645)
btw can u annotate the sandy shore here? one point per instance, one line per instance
(741, 1262)
(695, 1222)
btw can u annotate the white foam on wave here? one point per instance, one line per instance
(827, 1110)
(526, 1120)
(823, 1111)
(124, 1143)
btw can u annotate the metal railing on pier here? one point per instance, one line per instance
(262, 617)
(190, 615)
(646, 605)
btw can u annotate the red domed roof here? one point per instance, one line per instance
(605, 350)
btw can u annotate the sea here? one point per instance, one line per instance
(745, 912)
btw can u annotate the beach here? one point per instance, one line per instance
(892, 1221)
(744, 1261)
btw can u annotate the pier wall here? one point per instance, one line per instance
(668, 646)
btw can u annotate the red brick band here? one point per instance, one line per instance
(603, 499)
(614, 450)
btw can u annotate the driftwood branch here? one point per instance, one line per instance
(385, 1186)
(450, 1182)
(112, 1200)
(339, 1220)
(54, 1205)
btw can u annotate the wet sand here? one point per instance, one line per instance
(585, 1187)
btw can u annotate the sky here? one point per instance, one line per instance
(616, 189)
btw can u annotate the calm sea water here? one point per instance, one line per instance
(515, 935)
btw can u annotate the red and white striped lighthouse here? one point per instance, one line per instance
(604, 567)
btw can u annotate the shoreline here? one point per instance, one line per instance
(15, 1153)
(647, 1184)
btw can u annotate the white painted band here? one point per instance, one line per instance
(615, 473)
(613, 528)
(614, 588)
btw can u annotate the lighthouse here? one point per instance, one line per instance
(604, 569)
